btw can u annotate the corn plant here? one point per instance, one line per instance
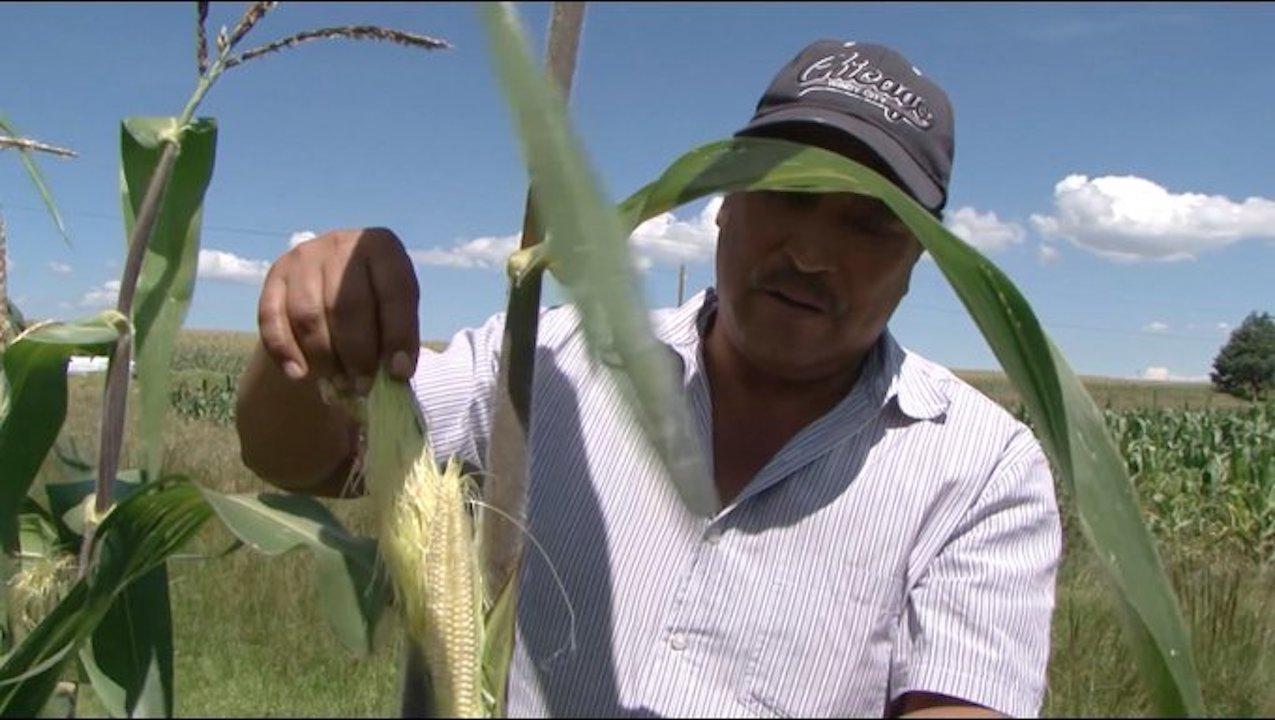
(114, 619)
(167, 165)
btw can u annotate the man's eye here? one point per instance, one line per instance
(797, 199)
(885, 226)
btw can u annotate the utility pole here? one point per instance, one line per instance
(681, 283)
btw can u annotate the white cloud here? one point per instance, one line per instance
(228, 267)
(1155, 326)
(1162, 374)
(1223, 326)
(103, 296)
(665, 240)
(1129, 218)
(661, 240)
(984, 231)
(1047, 254)
(59, 268)
(488, 253)
(299, 237)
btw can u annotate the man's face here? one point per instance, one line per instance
(807, 281)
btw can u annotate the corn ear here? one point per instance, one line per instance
(427, 543)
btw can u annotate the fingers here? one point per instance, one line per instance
(351, 314)
(397, 300)
(341, 305)
(274, 327)
(308, 317)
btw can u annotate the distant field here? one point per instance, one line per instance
(227, 352)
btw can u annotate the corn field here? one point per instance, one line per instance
(1126, 478)
(1201, 475)
(1208, 475)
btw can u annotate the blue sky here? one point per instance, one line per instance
(1114, 160)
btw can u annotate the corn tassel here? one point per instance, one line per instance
(427, 543)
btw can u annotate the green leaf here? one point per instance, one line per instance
(1067, 421)
(37, 178)
(35, 371)
(498, 646)
(67, 499)
(584, 240)
(167, 279)
(352, 588)
(129, 657)
(17, 321)
(133, 540)
(36, 531)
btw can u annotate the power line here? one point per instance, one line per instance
(279, 234)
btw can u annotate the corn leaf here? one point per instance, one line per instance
(498, 646)
(37, 179)
(35, 371)
(585, 241)
(134, 539)
(67, 499)
(352, 588)
(129, 656)
(1068, 422)
(167, 280)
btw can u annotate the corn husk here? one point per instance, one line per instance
(427, 543)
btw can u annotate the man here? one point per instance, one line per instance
(888, 537)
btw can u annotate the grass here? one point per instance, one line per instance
(250, 639)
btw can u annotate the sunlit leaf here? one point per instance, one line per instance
(134, 539)
(585, 244)
(167, 280)
(352, 589)
(35, 371)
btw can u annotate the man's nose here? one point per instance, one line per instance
(811, 248)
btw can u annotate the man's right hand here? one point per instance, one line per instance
(337, 307)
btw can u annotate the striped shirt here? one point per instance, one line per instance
(905, 541)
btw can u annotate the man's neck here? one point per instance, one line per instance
(756, 413)
(737, 382)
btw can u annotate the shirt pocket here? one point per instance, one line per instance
(824, 645)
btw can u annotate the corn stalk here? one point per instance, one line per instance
(506, 488)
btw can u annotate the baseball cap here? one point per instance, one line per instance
(874, 95)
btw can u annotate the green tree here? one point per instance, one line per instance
(1245, 366)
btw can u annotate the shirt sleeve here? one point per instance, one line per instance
(977, 621)
(456, 388)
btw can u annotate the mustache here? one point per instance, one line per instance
(787, 279)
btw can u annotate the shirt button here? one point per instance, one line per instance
(677, 642)
(713, 536)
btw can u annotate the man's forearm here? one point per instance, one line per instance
(288, 435)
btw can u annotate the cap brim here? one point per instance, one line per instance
(916, 182)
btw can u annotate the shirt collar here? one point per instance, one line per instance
(907, 378)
